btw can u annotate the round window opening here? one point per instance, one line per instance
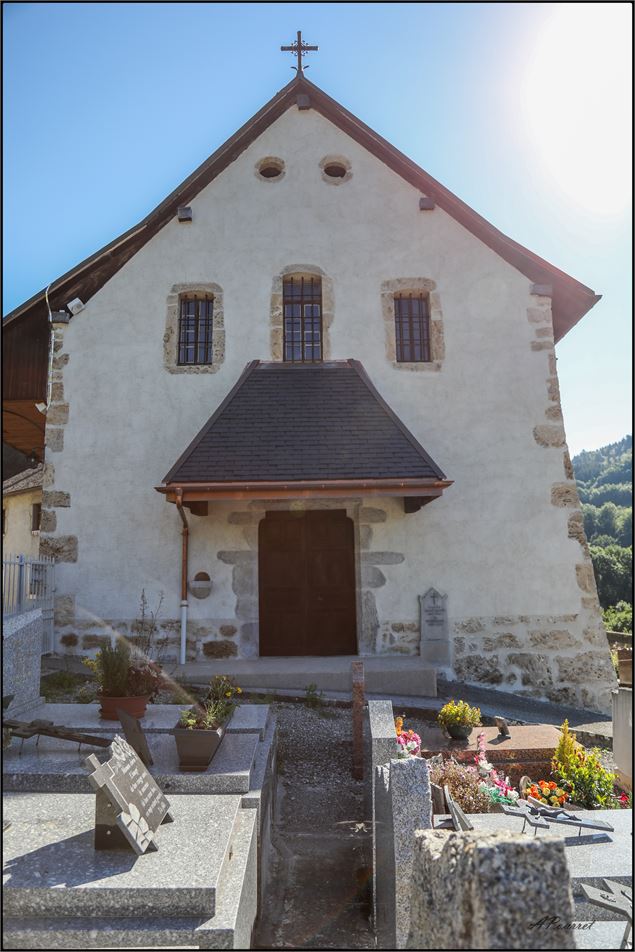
(270, 168)
(335, 170)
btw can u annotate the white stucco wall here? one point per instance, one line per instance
(494, 543)
(18, 538)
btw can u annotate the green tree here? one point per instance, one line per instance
(619, 617)
(613, 566)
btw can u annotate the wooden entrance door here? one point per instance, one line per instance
(306, 579)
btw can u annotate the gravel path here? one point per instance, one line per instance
(320, 896)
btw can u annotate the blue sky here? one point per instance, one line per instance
(521, 109)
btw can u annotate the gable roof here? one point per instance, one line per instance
(304, 423)
(571, 299)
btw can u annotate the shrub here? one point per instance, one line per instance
(581, 773)
(459, 713)
(464, 785)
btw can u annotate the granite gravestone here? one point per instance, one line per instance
(135, 735)
(130, 806)
(435, 634)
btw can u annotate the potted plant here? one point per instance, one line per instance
(125, 682)
(201, 728)
(459, 719)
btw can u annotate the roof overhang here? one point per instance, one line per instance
(196, 496)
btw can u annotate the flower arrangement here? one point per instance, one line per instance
(217, 707)
(464, 784)
(408, 743)
(494, 785)
(548, 792)
(458, 718)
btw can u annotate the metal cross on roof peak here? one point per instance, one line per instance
(300, 48)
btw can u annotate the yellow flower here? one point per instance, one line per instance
(228, 693)
(239, 690)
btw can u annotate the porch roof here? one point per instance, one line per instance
(288, 430)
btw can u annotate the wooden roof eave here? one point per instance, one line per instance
(309, 489)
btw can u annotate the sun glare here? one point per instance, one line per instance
(577, 103)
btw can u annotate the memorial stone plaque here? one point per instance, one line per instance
(130, 806)
(435, 618)
(135, 735)
(435, 636)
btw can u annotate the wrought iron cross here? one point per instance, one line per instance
(300, 48)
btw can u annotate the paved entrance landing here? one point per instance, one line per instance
(383, 674)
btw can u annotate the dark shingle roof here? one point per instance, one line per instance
(303, 422)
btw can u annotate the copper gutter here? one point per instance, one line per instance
(198, 492)
(184, 547)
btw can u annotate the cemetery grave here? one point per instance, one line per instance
(103, 850)
(200, 853)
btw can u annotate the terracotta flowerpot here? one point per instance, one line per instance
(136, 706)
(459, 731)
(196, 748)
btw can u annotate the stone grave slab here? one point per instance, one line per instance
(528, 749)
(57, 766)
(230, 927)
(591, 857)
(247, 719)
(52, 869)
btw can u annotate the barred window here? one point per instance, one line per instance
(195, 329)
(302, 304)
(412, 328)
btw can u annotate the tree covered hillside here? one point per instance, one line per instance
(605, 485)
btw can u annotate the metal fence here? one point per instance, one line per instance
(29, 583)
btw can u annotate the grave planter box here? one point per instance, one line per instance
(625, 665)
(135, 706)
(196, 748)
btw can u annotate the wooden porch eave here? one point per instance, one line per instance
(305, 489)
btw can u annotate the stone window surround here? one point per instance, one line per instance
(171, 336)
(270, 160)
(336, 160)
(426, 286)
(276, 310)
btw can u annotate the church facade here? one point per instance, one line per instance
(312, 402)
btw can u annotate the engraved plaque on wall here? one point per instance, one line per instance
(435, 633)
(434, 615)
